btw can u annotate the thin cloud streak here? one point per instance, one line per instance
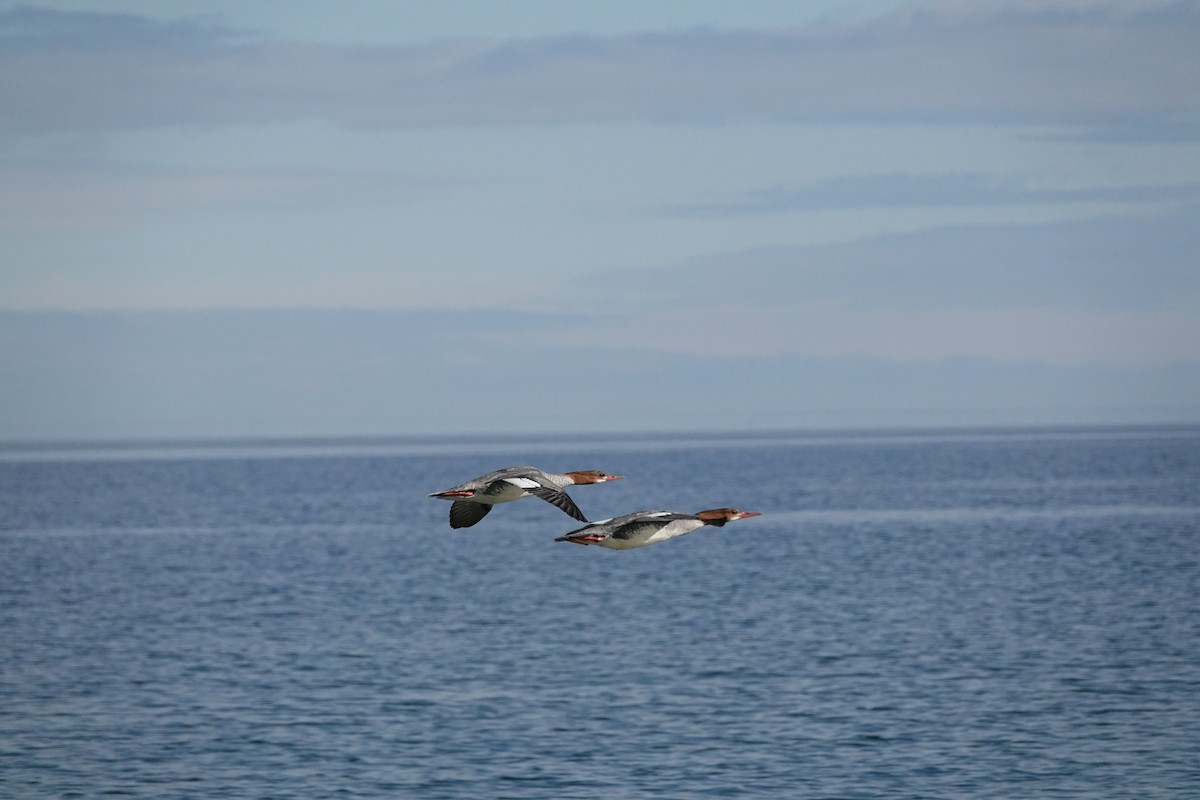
(1097, 65)
(45, 198)
(901, 190)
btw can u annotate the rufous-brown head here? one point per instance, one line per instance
(586, 476)
(719, 516)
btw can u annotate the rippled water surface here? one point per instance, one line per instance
(957, 615)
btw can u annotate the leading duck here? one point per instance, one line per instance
(644, 528)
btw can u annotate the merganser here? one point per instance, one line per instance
(650, 527)
(475, 498)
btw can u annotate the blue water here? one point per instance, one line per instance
(916, 615)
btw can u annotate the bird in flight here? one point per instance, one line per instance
(474, 499)
(644, 528)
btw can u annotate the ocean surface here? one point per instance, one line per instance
(956, 614)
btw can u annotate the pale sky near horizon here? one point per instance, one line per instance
(1015, 180)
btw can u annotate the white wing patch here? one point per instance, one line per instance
(523, 483)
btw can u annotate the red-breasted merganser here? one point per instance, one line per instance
(650, 527)
(475, 498)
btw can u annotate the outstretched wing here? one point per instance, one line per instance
(464, 513)
(557, 497)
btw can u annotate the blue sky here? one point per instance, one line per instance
(842, 202)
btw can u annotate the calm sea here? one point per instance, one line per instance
(988, 614)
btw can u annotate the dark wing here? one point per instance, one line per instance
(644, 526)
(559, 498)
(464, 513)
(494, 487)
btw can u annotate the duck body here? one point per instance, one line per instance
(471, 501)
(644, 528)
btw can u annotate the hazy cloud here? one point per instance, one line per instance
(1135, 262)
(1131, 68)
(112, 374)
(187, 164)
